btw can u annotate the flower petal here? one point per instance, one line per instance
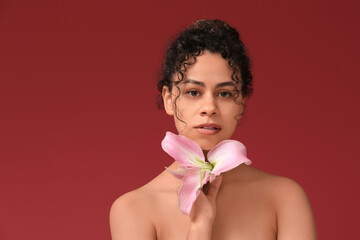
(227, 155)
(189, 191)
(179, 172)
(182, 149)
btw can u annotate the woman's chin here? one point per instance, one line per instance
(206, 144)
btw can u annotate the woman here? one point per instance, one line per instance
(206, 80)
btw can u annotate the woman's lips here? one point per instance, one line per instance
(208, 128)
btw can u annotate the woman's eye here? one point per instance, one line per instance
(193, 93)
(225, 94)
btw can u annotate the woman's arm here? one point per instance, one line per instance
(203, 212)
(294, 214)
(129, 219)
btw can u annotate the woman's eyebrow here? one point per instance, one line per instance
(203, 84)
(223, 84)
(194, 82)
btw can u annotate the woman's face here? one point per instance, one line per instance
(206, 103)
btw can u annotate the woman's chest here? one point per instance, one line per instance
(248, 217)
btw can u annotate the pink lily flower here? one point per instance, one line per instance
(194, 171)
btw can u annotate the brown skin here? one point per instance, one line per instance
(251, 204)
(245, 204)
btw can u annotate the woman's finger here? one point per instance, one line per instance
(214, 188)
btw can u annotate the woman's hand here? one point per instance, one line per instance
(203, 212)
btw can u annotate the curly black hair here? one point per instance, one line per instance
(215, 36)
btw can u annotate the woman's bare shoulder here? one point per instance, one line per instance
(288, 194)
(292, 206)
(142, 196)
(130, 212)
(278, 188)
(279, 183)
(134, 198)
(138, 199)
(142, 199)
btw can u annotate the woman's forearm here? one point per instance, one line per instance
(202, 215)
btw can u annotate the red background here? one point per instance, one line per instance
(79, 125)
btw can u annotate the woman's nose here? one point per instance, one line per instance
(208, 106)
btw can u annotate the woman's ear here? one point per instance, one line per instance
(168, 103)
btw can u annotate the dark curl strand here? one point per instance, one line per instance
(215, 36)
